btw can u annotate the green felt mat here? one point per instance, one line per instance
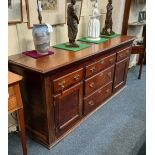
(92, 41)
(63, 46)
(112, 36)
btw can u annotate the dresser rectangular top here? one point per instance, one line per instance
(62, 58)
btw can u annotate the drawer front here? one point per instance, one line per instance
(91, 69)
(100, 65)
(95, 99)
(65, 81)
(12, 102)
(107, 61)
(123, 54)
(100, 79)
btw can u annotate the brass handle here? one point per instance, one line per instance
(91, 102)
(108, 91)
(121, 55)
(77, 77)
(102, 62)
(127, 53)
(111, 60)
(92, 69)
(92, 85)
(100, 91)
(101, 74)
(109, 74)
(61, 84)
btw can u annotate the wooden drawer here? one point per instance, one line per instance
(96, 98)
(123, 54)
(107, 61)
(67, 80)
(12, 102)
(91, 69)
(99, 65)
(98, 80)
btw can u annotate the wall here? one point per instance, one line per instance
(20, 37)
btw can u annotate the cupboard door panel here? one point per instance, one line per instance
(68, 108)
(121, 74)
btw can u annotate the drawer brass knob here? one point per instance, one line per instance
(61, 84)
(101, 74)
(100, 91)
(109, 74)
(92, 69)
(127, 53)
(121, 55)
(102, 62)
(111, 60)
(91, 102)
(108, 91)
(77, 77)
(92, 85)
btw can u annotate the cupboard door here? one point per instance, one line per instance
(121, 74)
(68, 108)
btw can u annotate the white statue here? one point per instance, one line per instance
(94, 24)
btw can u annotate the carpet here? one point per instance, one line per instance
(118, 128)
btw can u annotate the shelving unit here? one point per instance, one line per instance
(132, 26)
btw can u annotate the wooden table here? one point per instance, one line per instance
(15, 104)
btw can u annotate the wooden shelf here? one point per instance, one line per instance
(137, 23)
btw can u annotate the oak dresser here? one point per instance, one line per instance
(60, 91)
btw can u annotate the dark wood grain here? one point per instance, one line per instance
(98, 80)
(97, 97)
(123, 54)
(63, 82)
(68, 108)
(62, 57)
(100, 64)
(126, 17)
(121, 74)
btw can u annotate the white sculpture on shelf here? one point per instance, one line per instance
(93, 32)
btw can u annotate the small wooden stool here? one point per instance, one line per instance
(15, 104)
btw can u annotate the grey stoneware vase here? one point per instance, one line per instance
(41, 37)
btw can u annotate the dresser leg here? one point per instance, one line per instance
(22, 126)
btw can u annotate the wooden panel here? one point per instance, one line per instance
(100, 79)
(123, 54)
(100, 64)
(126, 17)
(13, 78)
(12, 104)
(96, 98)
(107, 61)
(68, 108)
(121, 74)
(67, 80)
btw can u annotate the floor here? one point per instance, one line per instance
(118, 128)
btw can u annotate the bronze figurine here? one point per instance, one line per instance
(107, 30)
(72, 22)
